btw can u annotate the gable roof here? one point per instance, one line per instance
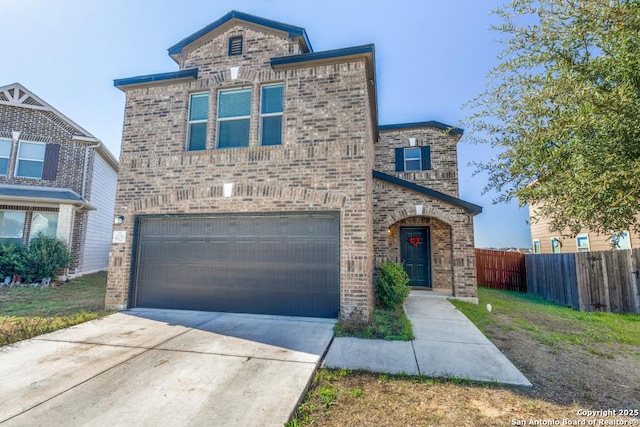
(430, 124)
(469, 207)
(230, 19)
(16, 95)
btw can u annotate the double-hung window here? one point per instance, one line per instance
(30, 159)
(5, 154)
(582, 243)
(413, 159)
(198, 115)
(234, 118)
(271, 114)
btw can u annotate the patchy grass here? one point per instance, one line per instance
(576, 361)
(28, 312)
(551, 324)
(384, 324)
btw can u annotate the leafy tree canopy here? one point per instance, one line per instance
(563, 110)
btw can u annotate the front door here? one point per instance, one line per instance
(415, 250)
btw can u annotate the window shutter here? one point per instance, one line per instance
(425, 152)
(399, 159)
(50, 167)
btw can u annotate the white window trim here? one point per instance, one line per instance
(270, 114)
(228, 119)
(193, 122)
(18, 158)
(534, 246)
(579, 236)
(7, 157)
(559, 245)
(629, 237)
(419, 158)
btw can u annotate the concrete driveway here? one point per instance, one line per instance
(162, 367)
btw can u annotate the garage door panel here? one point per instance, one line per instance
(286, 264)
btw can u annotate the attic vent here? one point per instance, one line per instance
(235, 45)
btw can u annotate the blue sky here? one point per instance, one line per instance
(432, 56)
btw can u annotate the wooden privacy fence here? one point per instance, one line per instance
(501, 270)
(587, 281)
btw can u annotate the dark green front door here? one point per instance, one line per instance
(415, 250)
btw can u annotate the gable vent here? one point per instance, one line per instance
(235, 45)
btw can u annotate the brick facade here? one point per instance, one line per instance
(24, 114)
(325, 161)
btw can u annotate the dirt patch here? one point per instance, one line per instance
(597, 376)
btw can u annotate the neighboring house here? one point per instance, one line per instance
(55, 179)
(545, 241)
(256, 179)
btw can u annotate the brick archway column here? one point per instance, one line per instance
(463, 259)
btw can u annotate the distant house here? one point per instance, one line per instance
(56, 179)
(256, 179)
(544, 241)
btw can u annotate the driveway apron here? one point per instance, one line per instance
(162, 367)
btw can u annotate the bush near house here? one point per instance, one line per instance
(43, 258)
(391, 286)
(388, 320)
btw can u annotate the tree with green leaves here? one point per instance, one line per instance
(562, 109)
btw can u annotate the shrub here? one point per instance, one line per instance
(391, 286)
(11, 259)
(44, 257)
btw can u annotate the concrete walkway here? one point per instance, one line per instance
(447, 344)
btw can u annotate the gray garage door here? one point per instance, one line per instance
(267, 264)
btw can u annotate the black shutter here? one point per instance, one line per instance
(51, 156)
(399, 159)
(425, 152)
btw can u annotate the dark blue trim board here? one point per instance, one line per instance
(469, 207)
(327, 54)
(430, 124)
(151, 78)
(293, 31)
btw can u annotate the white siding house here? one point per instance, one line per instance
(99, 224)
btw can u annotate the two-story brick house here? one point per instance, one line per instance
(256, 179)
(55, 178)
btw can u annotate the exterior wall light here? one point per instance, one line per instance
(118, 220)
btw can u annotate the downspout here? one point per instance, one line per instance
(86, 167)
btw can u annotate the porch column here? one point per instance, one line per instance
(66, 214)
(464, 259)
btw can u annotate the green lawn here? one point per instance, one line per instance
(27, 312)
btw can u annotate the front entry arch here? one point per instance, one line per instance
(415, 252)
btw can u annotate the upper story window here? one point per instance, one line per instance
(271, 108)
(234, 118)
(198, 115)
(235, 46)
(555, 245)
(30, 161)
(5, 154)
(413, 159)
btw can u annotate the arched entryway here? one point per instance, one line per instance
(424, 245)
